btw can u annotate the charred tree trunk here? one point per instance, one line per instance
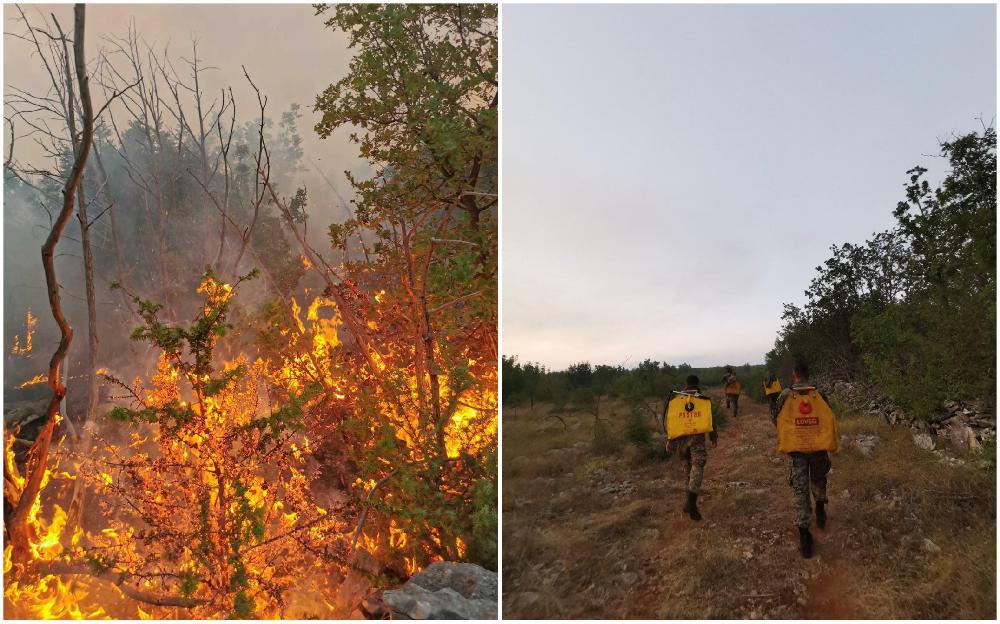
(75, 511)
(18, 529)
(92, 341)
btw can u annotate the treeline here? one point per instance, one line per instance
(178, 179)
(525, 384)
(912, 310)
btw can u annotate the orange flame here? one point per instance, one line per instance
(17, 349)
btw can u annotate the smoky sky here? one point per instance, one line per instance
(286, 48)
(290, 55)
(673, 174)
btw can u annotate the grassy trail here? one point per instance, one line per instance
(590, 535)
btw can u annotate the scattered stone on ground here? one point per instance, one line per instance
(924, 441)
(966, 425)
(866, 443)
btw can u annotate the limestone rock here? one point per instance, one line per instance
(924, 441)
(446, 590)
(866, 443)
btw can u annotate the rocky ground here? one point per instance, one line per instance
(444, 590)
(963, 426)
(911, 533)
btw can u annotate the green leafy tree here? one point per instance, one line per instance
(419, 302)
(912, 310)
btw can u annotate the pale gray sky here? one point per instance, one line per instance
(673, 174)
(288, 51)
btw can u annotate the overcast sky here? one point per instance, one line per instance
(286, 48)
(673, 174)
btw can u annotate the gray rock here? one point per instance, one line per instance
(623, 488)
(629, 579)
(601, 475)
(446, 590)
(962, 435)
(24, 412)
(468, 579)
(924, 441)
(866, 443)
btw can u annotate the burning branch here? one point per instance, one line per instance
(364, 512)
(119, 579)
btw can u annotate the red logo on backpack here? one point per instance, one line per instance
(805, 408)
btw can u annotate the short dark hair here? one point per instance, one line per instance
(801, 370)
(692, 381)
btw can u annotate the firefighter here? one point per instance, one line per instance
(691, 447)
(772, 390)
(731, 387)
(807, 431)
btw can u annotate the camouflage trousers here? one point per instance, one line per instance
(772, 403)
(733, 400)
(807, 471)
(692, 449)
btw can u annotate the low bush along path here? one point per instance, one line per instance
(590, 535)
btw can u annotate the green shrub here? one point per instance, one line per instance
(483, 549)
(986, 455)
(637, 429)
(720, 415)
(604, 442)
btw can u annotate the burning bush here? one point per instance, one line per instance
(208, 506)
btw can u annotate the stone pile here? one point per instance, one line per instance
(964, 425)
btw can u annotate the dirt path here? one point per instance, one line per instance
(751, 432)
(603, 536)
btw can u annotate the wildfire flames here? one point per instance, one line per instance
(210, 506)
(18, 349)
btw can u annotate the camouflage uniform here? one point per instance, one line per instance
(772, 399)
(734, 400)
(806, 471)
(692, 449)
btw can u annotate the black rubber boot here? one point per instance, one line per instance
(805, 543)
(692, 506)
(821, 515)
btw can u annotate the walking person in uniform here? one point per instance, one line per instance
(772, 390)
(804, 420)
(731, 387)
(691, 447)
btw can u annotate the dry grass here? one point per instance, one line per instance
(577, 547)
